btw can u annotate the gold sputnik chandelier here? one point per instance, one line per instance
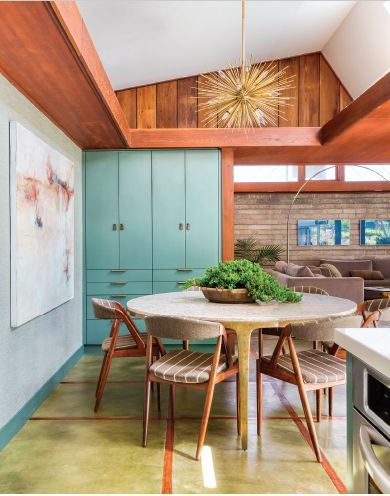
(246, 96)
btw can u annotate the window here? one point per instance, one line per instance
(328, 172)
(367, 172)
(265, 173)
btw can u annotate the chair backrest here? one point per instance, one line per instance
(310, 289)
(381, 304)
(182, 328)
(107, 309)
(323, 330)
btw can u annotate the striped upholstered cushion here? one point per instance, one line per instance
(186, 366)
(317, 367)
(122, 343)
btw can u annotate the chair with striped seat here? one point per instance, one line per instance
(116, 346)
(310, 370)
(186, 368)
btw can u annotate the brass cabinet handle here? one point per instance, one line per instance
(118, 296)
(119, 283)
(118, 270)
(188, 226)
(184, 269)
(122, 227)
(114, 227)
(181, 226)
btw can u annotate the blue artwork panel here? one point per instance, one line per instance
(375, 232)
(322, 232)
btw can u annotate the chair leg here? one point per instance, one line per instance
(159, 397)
(318, 404)
(231, 343)
(205, 418)
(283, 350)
(238, 410)
(146, 412)
(103, 381)
(330, 401)
(172, 401)
(304, 400)
(259, 397)
(101, 373)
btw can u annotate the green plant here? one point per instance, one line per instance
(249, 249)
(245, 274)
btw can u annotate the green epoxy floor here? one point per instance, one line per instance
(66, 448)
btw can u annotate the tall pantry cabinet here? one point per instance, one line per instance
(152, 220)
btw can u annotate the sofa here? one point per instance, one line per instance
(351, 288)
(378, 264)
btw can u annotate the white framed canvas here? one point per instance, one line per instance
(42, 226)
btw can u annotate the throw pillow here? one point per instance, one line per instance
(294, 270)
(368, 275)
(329, 270)
(281, 266)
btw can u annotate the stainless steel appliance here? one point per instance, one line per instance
(371, 429)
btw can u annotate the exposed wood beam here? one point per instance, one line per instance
(213, 137)
(312, 187)
(375, 101)
(46, 52)
(227, 205)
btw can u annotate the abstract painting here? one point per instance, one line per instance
(42, 226)
(375, 232)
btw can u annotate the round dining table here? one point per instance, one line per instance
(243, 319)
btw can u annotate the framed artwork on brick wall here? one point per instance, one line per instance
(323, 232)
(375, 232)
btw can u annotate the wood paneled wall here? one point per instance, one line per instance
(317, 96)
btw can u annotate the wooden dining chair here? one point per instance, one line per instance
(309, 370)
(132, 344)
(186, 368)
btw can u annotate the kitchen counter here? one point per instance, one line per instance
(371, 345)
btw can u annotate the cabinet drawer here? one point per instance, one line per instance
(166, 287)
(104, 288)
(118, 275)
(98, 330)
(177, 275)
(119, 297)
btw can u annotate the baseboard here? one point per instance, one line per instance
(16, 423)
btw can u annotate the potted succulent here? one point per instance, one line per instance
(242, 281)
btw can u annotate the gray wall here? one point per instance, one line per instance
(32, 353)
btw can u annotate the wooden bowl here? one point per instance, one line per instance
(217, 295)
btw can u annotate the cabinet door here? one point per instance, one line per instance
(168, 191)
(135, 209)
(101, 210)
(202, 208)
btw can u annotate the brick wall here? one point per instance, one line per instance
(264, 216)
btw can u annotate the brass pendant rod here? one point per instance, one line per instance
(243, 41)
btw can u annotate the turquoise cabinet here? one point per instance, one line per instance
(101, 210)
(152, 221)
(168, 209)
(135, 209)
(202, 208)
(186, 208)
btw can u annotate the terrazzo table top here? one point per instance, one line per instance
(192, 304)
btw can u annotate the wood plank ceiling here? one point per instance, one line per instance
(316, 97)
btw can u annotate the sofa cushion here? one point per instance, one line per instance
(329, 270)
(315, 269)
(281, 266)
(382, 264)
(345, 266)
(384, 283)
(298, 270)
(368, 275)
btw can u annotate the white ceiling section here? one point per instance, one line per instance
(359, 51)
(141, 42)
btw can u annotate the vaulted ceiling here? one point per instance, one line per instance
(141, 42)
